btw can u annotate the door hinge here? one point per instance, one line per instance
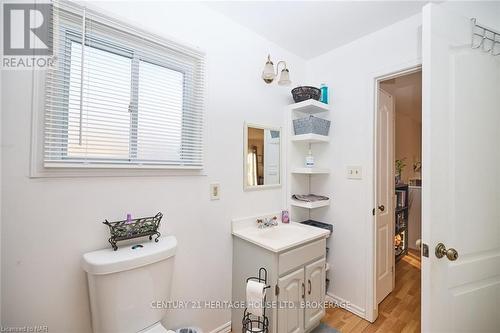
(277, 290)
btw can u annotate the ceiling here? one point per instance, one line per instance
(311, 28)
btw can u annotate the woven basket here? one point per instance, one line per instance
(304, 93)
(311, 124)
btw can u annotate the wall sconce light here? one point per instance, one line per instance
(268, 74)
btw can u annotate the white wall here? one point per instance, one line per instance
(350, 71)
(50, 223)
(408, 144)
(407, 94)
(1, 151)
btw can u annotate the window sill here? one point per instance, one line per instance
(138, 166)
(78, 171)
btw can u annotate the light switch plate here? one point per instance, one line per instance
(354, 172)
(214, 191)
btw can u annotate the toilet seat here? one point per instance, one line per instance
(156, 328)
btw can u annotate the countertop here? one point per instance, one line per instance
(278, 238)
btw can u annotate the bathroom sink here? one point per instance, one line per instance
(277, 238)
(282, 231)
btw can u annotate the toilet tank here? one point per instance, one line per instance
(126, 285)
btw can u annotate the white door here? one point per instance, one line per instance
(315, 293)
(385, 195)
(461, 177)
(292, 290)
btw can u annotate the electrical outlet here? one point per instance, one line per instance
(354, 172)
(214, 191)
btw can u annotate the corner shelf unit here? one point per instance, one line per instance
(296, 148)
(302, 179)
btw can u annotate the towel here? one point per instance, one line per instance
(255, 297)
(309, 197)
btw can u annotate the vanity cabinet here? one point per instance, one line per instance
(291, 319)
(315, 295)
(304, 287)
(296, 277)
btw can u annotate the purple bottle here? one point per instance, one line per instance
(285, 217)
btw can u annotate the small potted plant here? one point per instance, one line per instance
(400, 165)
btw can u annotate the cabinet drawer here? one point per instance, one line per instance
(301, 255)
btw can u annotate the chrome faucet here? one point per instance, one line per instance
(267, 222)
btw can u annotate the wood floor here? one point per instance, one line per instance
(398, 312)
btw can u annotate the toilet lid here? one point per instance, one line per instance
(156, 328)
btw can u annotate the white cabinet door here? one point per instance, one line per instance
(290, 298)
(315, 293)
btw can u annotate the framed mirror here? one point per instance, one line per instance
(262, 157)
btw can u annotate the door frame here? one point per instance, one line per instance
(371, 311)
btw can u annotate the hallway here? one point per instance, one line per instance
(398, 312)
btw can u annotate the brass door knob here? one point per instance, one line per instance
(450, 253)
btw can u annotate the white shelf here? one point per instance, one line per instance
(310, 205)
(295, 150)
(309, 106)
(310, 138)
(311, 171)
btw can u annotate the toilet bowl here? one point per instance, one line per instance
(124, 285)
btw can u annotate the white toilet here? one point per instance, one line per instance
(127, 285)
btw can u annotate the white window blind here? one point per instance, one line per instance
(119, 97)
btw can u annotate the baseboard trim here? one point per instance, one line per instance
(224, 328)
(357, 310)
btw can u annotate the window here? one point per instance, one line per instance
(120, 98)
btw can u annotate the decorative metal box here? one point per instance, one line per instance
(129, 229)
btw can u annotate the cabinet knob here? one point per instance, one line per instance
(310, 286)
